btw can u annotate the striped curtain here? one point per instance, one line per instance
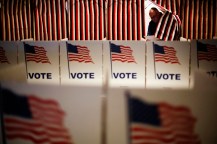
(199, 19)
(16, 20)
(125, 19)
(99, 19)
(53, 19)
(171, 5)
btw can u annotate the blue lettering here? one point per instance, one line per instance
(125, 75)
(169, 76)
(40, 75)
(82, 75)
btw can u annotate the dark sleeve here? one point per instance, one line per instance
(151, 28)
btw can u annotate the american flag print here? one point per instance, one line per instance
(33, 119)
(206, 52)
(161, 123)
(3, 57)
(78, 53)
(36, 54)
(121, 53)
(168, 27)
(165, 54)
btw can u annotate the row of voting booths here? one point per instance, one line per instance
(135, 64)
(108, 92)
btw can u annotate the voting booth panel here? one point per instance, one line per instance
(67, 114)
(135, 115)
(42, 61)
(124, 63)
(167, 64)
(81, 63)
(8, 54)
(204, 58)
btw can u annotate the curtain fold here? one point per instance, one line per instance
(99, 19)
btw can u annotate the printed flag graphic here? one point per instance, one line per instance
(78, 53)
(165, 54)
(206, 52)
(160, 123)
(33, 119)
(3, 58)
(121, 53)
(36, 54)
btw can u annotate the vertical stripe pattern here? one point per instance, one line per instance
(99, 19)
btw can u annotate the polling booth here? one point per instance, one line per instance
(108, 92)
(41, 61)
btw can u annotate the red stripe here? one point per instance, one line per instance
(190, 22)
(87, 23)
(124, 22)
(114, 20)
(204, 20)
(72, 19)
(20, 20)
(109, 21)
(49, 29)
(63, 18)
(101, 20)
(41, 28)
(195, 19)
(7, 22)
(134, 20)
(214, 18)
(143, 18)
(16, 6)
(82, 20)
(91, 20)
(53, 17)
(12, 20)
(139, 11)
(96, 20)
(129, 25)
(25, 27)
(77, 26)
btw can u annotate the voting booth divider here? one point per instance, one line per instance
(151, 64)
(106, 92)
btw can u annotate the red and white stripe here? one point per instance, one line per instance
(210, 55)
(7, 22)
(53, 18)
(129, 20)
(3, 34)
(45, 126)
(25, 26)
(124, 23)
(38, 56)
(101, 20)
(63, 19)
(177, 126)
(168, 57)
(124, 56)
(96, 19)
(83, 55)
(91, 11)
(82, 20)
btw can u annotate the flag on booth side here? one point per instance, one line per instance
(33, 119)
(165, 54)
(78, 53)
(3, 58)
(36, 54)
(160, 123)
(206, 52)
(121, 53)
